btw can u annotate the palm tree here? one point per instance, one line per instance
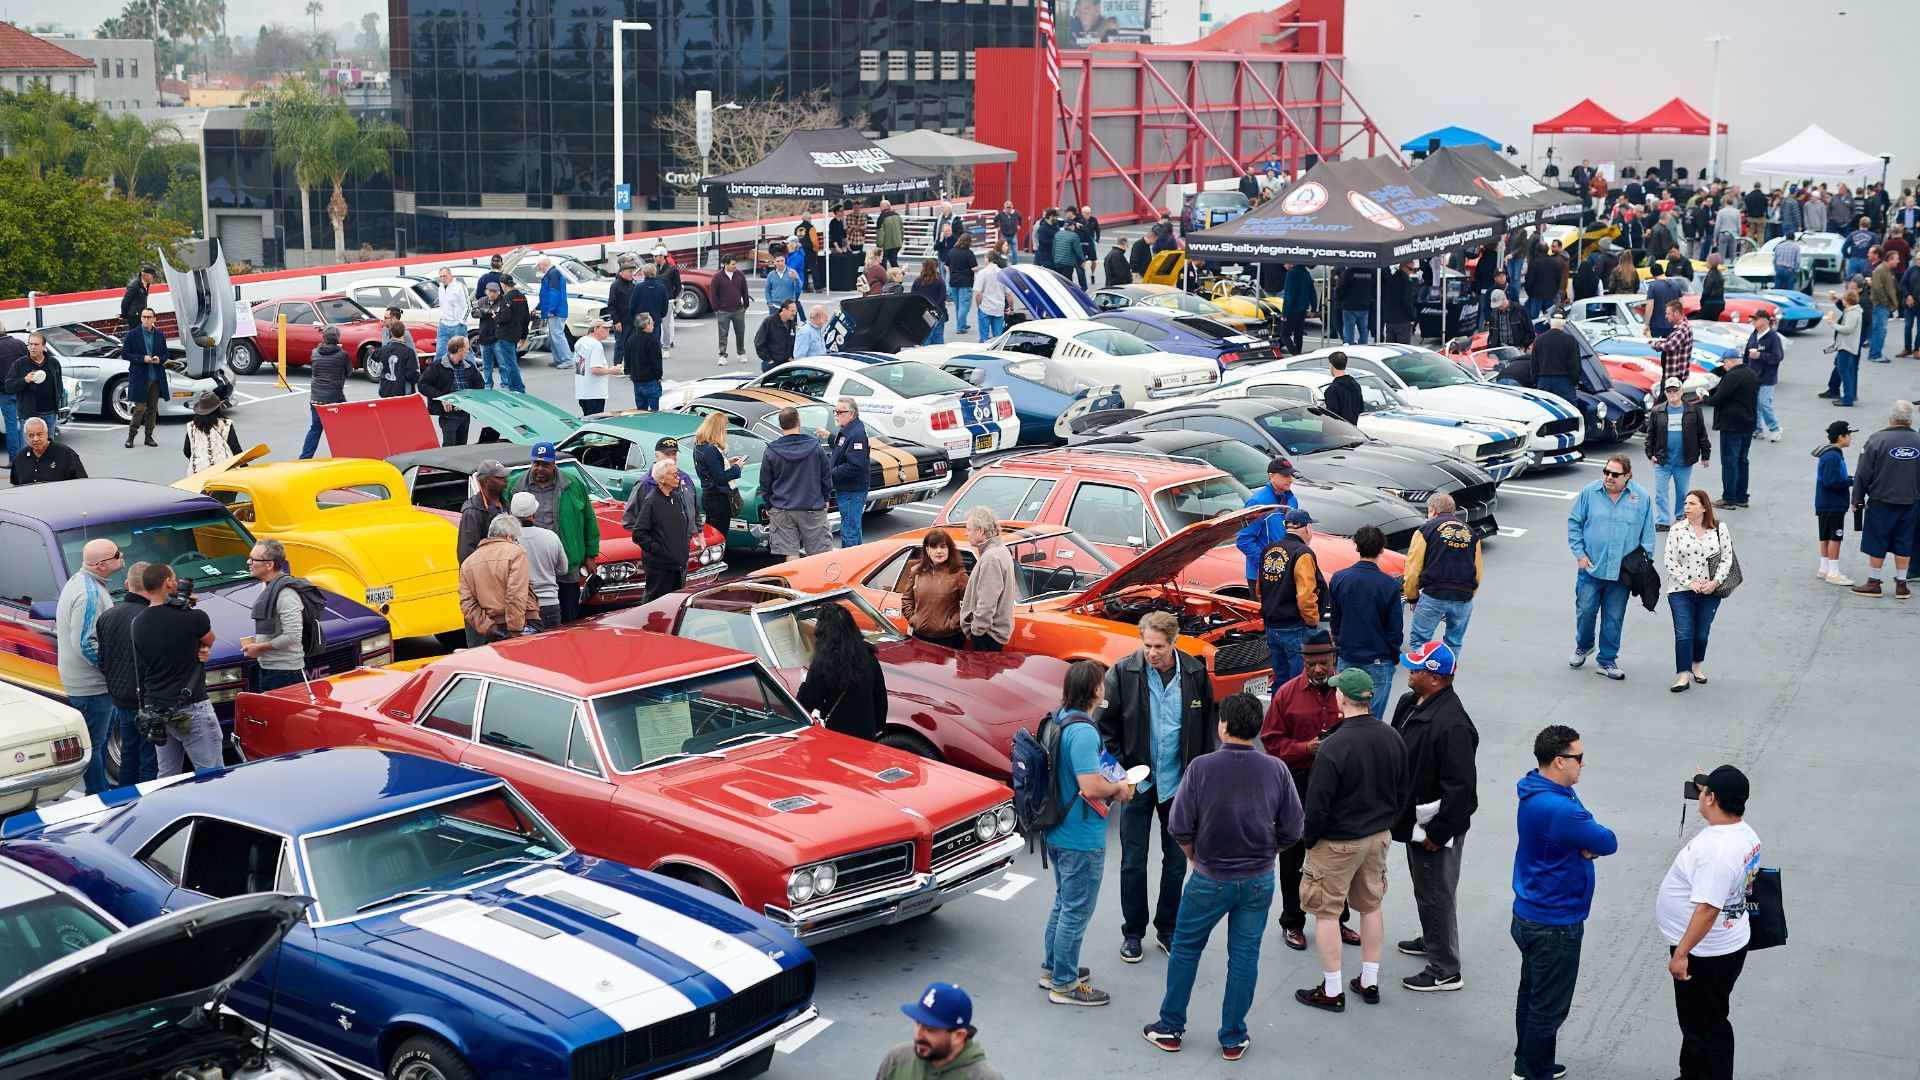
(353, 148)
(41, 137)
(313, 11)
(123, 146)
(293, 117)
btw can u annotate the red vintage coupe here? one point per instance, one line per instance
(306, 316)
(944, 704)
(681, 758)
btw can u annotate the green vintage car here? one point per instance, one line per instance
(617, 448)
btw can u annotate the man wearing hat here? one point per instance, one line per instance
(1290, 589)
(1556, 360)
(546, 559)
(1702, 912)
(944, 1045)
(663, 518)
(1831, 488)
(619, 294)
(564, 508)
(1254, 537)
(1298, 718)
(1441, 742)
(1677, 439)
(1358, 785)
(487, 502)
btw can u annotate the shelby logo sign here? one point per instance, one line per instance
(1304, 199)
(867, 161)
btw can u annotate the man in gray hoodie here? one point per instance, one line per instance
(82, 601)
(795, 481)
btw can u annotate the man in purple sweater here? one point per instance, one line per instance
(1236, 811)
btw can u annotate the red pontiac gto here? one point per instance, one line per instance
(677, 757)
(944, 704)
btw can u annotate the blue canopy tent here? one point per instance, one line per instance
(1452, 136)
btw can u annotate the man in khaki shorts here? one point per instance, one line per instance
(1359, 781)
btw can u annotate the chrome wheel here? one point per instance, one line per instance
(116, 401)
(243, 357)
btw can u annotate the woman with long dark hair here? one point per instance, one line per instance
(844, 682)
(929, 285)
(211, 438)
(931, 590)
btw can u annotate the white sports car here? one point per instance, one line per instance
(44, 749)
(1820, 253)
(1432, 381)
(907, 399)
(94, 376)
(1097, 352)
(1388, 417)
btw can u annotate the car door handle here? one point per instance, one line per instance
(253, 720)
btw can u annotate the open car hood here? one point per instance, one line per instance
(519, 418)
(1164, 561)
(378, 428)
(886, 323)
(198, 482)
(184, 960)
(1164, 268)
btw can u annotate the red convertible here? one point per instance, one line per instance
(677, 757)
(952, 706)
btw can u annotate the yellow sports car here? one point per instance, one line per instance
(348, 526)
(1232, 295)
(1646, 272)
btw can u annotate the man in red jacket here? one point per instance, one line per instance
(730, 289)
(1302, 710)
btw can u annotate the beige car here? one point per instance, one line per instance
(417, 297)
(44, 749)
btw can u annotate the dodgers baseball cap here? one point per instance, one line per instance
(941, 1005)
(1298, 516)
(544, 451)
(1434, 656)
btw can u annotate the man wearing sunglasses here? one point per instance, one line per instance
(1611, 517)
(76, 619)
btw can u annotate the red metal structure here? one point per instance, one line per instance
(1131, 120)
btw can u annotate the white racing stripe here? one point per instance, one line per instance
(628, 995)
(1544, 493)
(915, 508)
(719, 953)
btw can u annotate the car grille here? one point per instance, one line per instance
(1400, 541)
(954, 841)
(1500, 448)
(1565, 426)
(660, 1047)
(334, 661)
(1473, 498)
(873, 867)
(1242, 656)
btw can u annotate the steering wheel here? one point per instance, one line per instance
(191, 556)
(1046, 582)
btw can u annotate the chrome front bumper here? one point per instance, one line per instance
(1509, 468)
(903, 494)
(913, 897)
(759, 1044)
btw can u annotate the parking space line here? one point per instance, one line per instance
(1544, 493)
(805, 1035)
(1508, 530)
(1008, 886)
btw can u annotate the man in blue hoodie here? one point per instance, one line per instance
(1252, 540)
(794, 484)
(552, 307)
(1552, 893)
(1611, 517)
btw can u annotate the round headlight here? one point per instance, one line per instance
(984, 826)
(825, 876)
(800, 886)
(1006, 820)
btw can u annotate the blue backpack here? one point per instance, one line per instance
(1036, 768)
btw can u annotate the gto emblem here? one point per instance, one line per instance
(19, 756)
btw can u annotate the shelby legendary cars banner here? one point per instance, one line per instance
(823, 164)
(1481, 180)
(1367, 212)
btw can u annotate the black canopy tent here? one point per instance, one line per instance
(1362, 212)
(1481, 180)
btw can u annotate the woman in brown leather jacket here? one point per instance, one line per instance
(931, 590)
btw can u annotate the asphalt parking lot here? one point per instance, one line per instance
(1804, 696)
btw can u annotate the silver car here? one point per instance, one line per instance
(96, 375)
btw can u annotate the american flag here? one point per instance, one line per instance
(1048, 42)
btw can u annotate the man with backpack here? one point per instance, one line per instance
(279, 618)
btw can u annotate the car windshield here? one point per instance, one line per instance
(1424, 370)
(1180, 301)
(743, 443)
(80, 339)
(693, 716)
(1376, 395)
(339, 309)
(435, 849)
(1055, 564)
(1199, 500)
(1114, 343)
(1235, 458)
(1206, 327)
(911, 379)
(571, 470)
(206, 547)
(428, 291)
(1310, 431)
(812, 418)
(43, 930)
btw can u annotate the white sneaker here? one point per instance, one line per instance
(1773, 436)
(722, 362)
(1821, 574)
(1839, 579)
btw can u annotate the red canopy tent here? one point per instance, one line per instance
(1585, 118)
(1676, 117)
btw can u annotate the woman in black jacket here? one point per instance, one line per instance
(1713, 291)
(715, 471)
(844, 682)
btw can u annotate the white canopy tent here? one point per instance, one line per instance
(1813, 152)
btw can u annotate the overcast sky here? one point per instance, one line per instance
(243, 19)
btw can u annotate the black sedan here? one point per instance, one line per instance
(1326, 448)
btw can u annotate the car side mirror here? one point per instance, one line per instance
(1137, 543)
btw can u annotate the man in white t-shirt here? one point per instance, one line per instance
(590, 374)
(1702, 912)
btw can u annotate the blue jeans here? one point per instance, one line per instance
(1354, 326)
(1692, 622)
(992, 326)
(1535, 308)
(16, 436)
(503, 355)
(1857, 266)
(312, 444)
(1909, 336)
(1076, 888)
(1768, 421)
(1381, 672)
(275, 678)
(97, 711)
(557, 341)
(1562, 389)
(1847, 366)
(1734, 446)
(52, 420)
(853, 509)
(1598, 598)
(139, 759)
(441, 335)
(1427, 614)
(1549, 968)
(937, 335)
(1678, 479)
(646, 395)
(962, 303)
(1244, 903)
(1285, 643)
(1783, 277)
(1877, 331)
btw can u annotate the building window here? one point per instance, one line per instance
(969, 65)
(949, 65)
(104, 69)
(133, 65)
(870, 65)
(73, 86)
(922, 64)
(896, 64)
(119, 69)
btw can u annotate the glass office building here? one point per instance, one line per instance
(509, 103)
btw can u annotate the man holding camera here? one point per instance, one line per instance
(1702, 912)
(171, 638)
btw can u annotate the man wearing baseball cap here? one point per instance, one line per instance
(487, 502)
(566, 510)
(1441, 742)
(1831, 487)
(1290, 588)
(1255, 536)
(1702, 912)
(1677, 440)
(943, 1046)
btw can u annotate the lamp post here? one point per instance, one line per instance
(703, 107)
(620, 26)
(1713, 112)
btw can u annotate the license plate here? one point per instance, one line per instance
(380, 595)
(917, 905)
(983, 442)
(891, 501)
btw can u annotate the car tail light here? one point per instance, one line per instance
(1230, 358)
(66, 750)
(1158, 383)
(945, 420)
(1005, 410)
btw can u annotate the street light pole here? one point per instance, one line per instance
(620, 26)
(1713, 112)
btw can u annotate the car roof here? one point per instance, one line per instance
(756, 401)
(332, 294)
(1140, 289)
(1145, 467)
(313, 476)
(1243, 407)
(1369, 352)
(1166, 441)
(1061, 326)
(676, 425)
(465, 459)
(315, 790)
(99, 499)
(588, 660)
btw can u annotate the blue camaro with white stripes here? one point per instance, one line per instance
(452, 933)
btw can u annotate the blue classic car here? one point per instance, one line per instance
(1191, 335)
(453, 933)
(43, 528)
(1047, 398)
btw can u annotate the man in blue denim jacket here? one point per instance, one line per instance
(1611, 517)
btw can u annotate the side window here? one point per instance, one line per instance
(26, 574)
(299, 314)
(580, 755)
(166, 855)
(1222, 425)
(439, 489)
(1144, 330)
(1027, 341)
(971, 375)
(453, 713)
(354, 495)
(238, 503)
(1287, 391)
(527, 722)
(1001, 494)
(1375, 366)
(600, 451)
(890, 572)
(226, 860)
(1106, 514)
(853, 387)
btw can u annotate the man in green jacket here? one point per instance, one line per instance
(890, 234)
(566, 510)
(943, 1046)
